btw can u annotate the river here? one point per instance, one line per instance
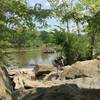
(25, 58)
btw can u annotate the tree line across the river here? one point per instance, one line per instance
(20, 24)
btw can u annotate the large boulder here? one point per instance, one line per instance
(51, 76)
(42, 70)
(86, 82)
(59, 92)
(5, 85)
(87, 88)
(89, 68)
(48, 50)
(82, 82)
(30, 94)
(22, 75)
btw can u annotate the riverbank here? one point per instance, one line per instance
(14, 50)
(25, 49)
(80, 81)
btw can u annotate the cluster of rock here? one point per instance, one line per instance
(80, 81)
(5, 85)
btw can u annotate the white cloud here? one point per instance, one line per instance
(46, 5)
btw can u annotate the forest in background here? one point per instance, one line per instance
(22, 26)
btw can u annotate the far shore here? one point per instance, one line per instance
(14, 50)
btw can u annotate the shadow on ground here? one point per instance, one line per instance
(62, 92)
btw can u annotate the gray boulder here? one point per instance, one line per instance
(6, 89)
(42, 70)
(89, 68)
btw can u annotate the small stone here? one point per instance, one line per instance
(98, 57)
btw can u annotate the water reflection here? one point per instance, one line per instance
(32, 57)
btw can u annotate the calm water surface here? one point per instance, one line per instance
(25, 58)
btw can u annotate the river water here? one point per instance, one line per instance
(26, 58)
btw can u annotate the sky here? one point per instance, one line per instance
(44, 3)
(52, 22)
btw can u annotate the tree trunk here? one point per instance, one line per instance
(92, 43)
(78, 29)
(68, 26)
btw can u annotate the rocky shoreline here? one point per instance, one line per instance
(80, 81)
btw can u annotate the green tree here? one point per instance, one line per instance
(44, 36)
(15, 18)
(92, 17)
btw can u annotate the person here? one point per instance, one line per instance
(59, 63)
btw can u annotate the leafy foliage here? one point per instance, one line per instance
(59, 37)
(18, 27)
